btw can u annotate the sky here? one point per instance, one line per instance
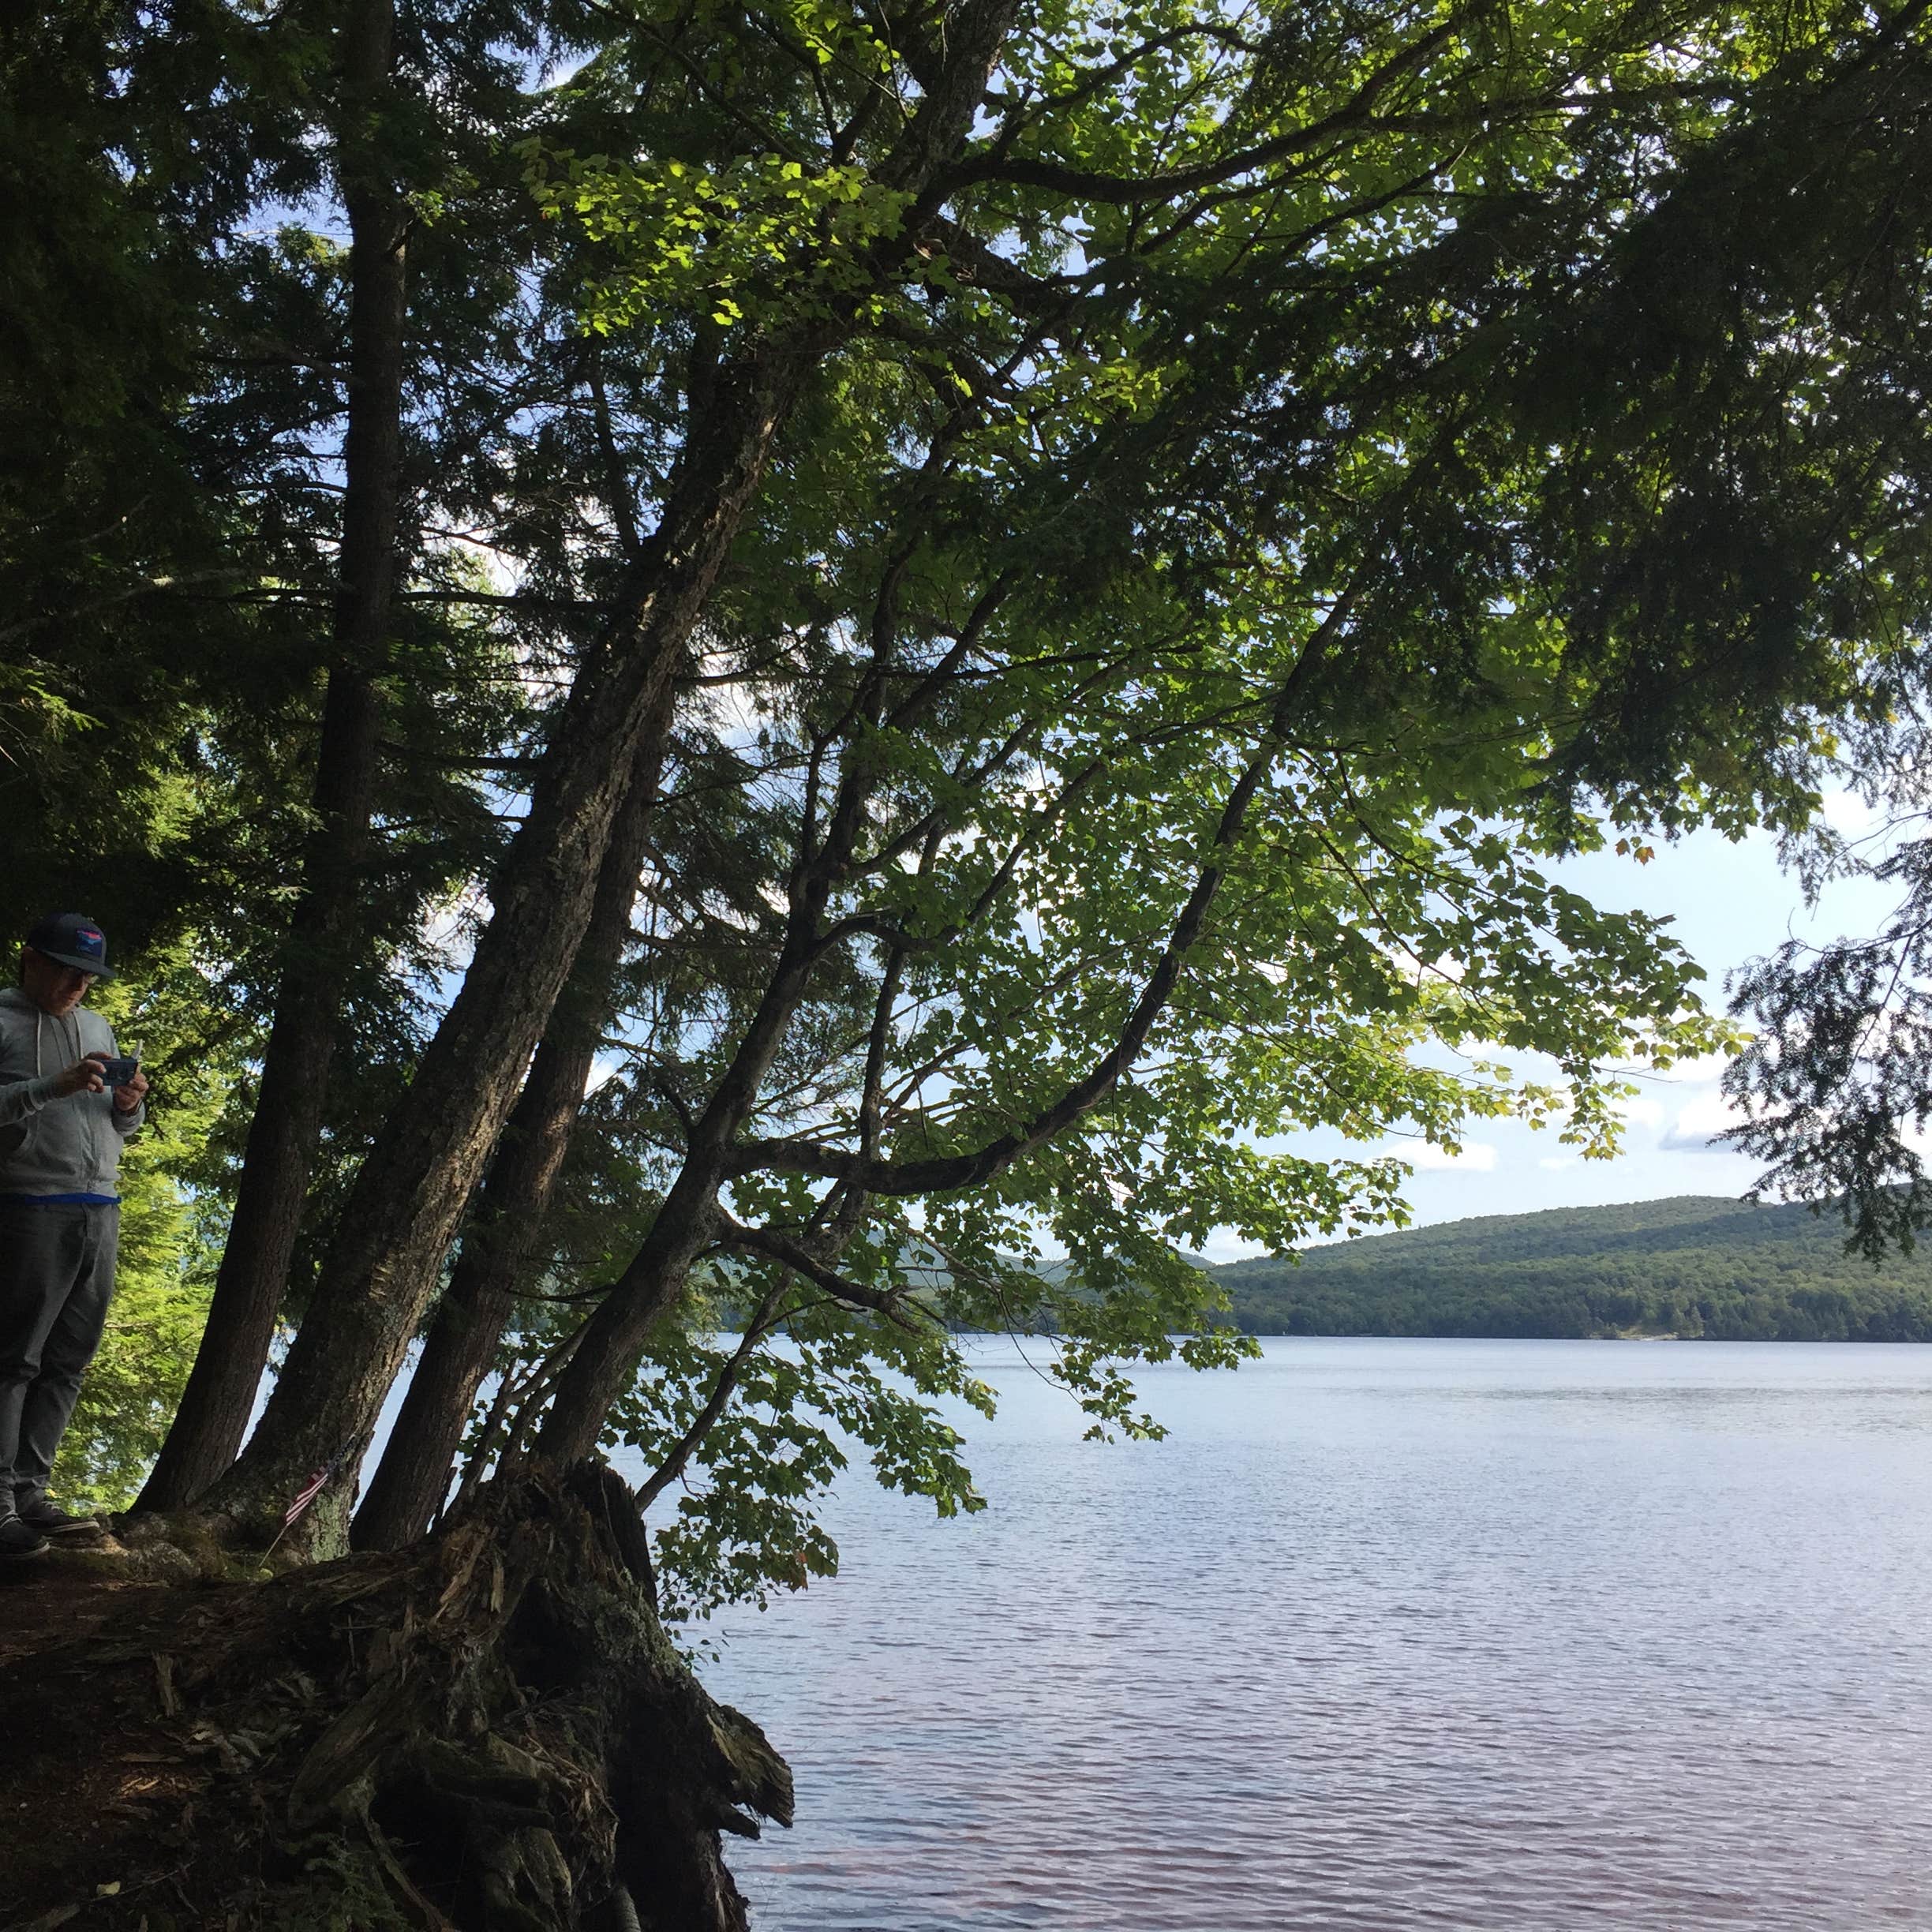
(1729, 903)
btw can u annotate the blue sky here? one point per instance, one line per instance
(1729, 903)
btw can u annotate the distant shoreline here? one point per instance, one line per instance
(1264, 1334)
(1691, 1267)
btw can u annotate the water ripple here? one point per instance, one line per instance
(1388, 1635)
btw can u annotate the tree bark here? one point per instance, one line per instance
(220, 1393)
(605, 1360)
(413, 1473)
(402, 1211)
(606, 1357)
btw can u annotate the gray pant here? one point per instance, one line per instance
(57, 1265)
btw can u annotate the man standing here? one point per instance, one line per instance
(67, 1104)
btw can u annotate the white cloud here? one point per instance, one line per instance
(1847, 814)
(1642, 1111)
(1556, 1163)
(1698, 1123)
(1221, 1247)
(1693, 1070)
(1698, 1069)
(1426, 1156)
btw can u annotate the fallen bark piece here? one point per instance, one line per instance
(489, 1731)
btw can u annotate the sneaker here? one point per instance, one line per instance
(47, 1518)
(19, 1539)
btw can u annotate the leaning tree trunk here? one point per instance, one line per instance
(605, 1361)
(402, 1211)
(413, 1473)
(612, 1339)
(492, 1731)
(219, 1397)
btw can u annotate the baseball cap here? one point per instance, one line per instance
(74, 940)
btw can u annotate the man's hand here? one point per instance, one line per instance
(129, 1095)
(84, 1077)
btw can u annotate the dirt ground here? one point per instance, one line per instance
(121, 1815)
(45, 1600)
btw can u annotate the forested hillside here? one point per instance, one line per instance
(1694, 1266)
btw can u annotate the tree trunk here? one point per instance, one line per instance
(606, 1359)
(413, 1473)
(492, 1731)
(220, 1393)
(402, 1211)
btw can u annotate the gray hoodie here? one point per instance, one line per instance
(69, 1144)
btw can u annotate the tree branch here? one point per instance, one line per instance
(947, 1172)
(687, 1445)
(890, 1303)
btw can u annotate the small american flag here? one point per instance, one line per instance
(308, 1493)
(312, 1488)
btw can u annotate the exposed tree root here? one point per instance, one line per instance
(489, 1730)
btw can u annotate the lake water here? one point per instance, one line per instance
(1386, 1634)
